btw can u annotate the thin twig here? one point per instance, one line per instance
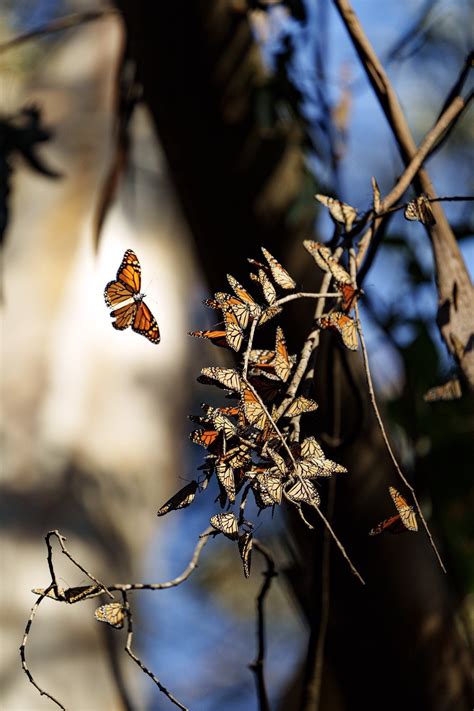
(137, 660)
(452, 111)
(249, 346)
(258, 665)
(306, 295)
(385, 437)
(61, 540)
(58, 25)
(23, 647)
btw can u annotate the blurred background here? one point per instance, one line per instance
(194, 133)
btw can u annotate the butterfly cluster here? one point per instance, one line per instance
(247, 439)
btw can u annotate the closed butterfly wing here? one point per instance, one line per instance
(338, 272)
(245, 550)
(233, 330)
(254, 412)
(218, 338)
(280, 275)
(281, 362)
(269, 313)
(344, 325)
(340, 211)
(302, 491)
(231, 304)
(225, 474)
(311, 448)
(301, 405)
(420, 210)
(309, 468)
(349, 296)
(253, 308)
(238, 456)
(113, 614)
(320, 253)
(449, 391)
(271, 485)
(227, 524)
(180, 500)
(407, 514)
(227, 377)
(268, 289)
(277, 459)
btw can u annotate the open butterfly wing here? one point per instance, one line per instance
(124, 316)
(129, 272)
(145, 323)
(115, 292)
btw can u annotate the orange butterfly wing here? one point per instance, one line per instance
(130, 272)
(145, 323)
(124, 316)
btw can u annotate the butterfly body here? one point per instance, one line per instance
(124, 296)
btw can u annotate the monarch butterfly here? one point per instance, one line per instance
(405, 520)
(449, 391)
(71, 595)
(281, 362)
(231, 306)
(277, 459)
(253, 308)
(280, 275)
(323, 257)
(245, 550)
(227, 377)
(340, 211)
(303, 491)
(218, 338)
(126, 287)
(420, 210)
(233, 328)
(237, 456)
(253, 409)
(300, 405)
(113, 614)
(225, 474)
(269, 313)
(227, 524)
(344, 325)
(205, 438)
(349, 295)
(180, 500)
(271, 485)
(220, 421)
(310, 449)
(268, 289)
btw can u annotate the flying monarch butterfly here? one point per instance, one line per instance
(300, 405)
(269, 291)
(254, 412)
(227, 524)
(280, 274)
(253, 308)
(227, 377)
(217, 338)
(303, 492)
(420, 210)
(180, 500)
(448, 391)
(119, 292)
(113, 614)
(344, 325)
(340, 211)
(405, 519)
(245, 550)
